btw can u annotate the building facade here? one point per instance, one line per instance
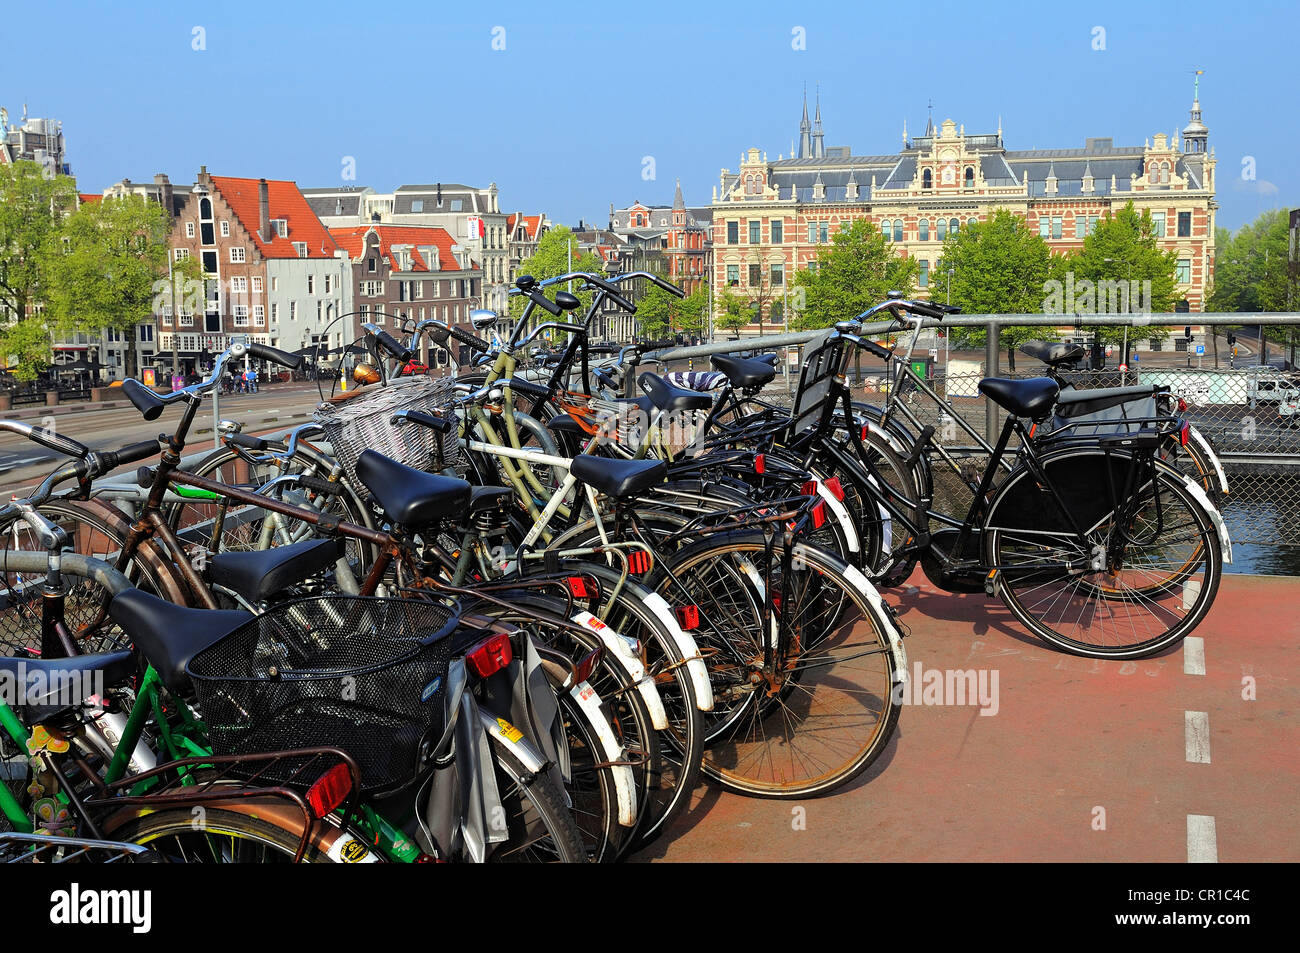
(36, 140)
(770, 218)
(401, 273)
(523, 233)
(677, 239)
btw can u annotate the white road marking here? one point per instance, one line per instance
(1197, 732)
(1202, 842)
(1193, 655)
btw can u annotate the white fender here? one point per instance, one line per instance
(872, 596)
(1216, 517)
(695, 667)
(1214, 458)
(618, 647)
(841, 513)
(588, 700)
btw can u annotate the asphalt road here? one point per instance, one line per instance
(23, 463)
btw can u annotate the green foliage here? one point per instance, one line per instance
(1250, 267)
(108, 267)
(32, 207)
(552, 259)
(998, 266)
(854, 272)
(731, 312)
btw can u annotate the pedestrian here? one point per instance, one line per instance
(252, 381)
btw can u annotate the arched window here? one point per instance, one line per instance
(205, 209)
(927, 179)
(972, 221)
(941, 230)
(954, 225)
(923, 229)
(1164, 173)
(970, 177)
(885, 227)
(898, 229)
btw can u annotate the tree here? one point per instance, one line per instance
(1250, 271)
(732, 312)
(108, 268)
(998, 266)
(556, 251)
(32, 208)
(854, 272)
(1123, 254)
(661, 314)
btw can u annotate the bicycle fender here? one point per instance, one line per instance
(1216, 517)
(1214, 458)
(588, 700)
(618, 647)
(872, 596)
(695, 666)
(841, 514)
(756, 580)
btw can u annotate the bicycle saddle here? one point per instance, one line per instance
(260, 573)
(615, 477)
(60, 672)
(669, 398)
(170, 635)
(1032, 398)
(1053, 354)
(744, 372)
(408, 496)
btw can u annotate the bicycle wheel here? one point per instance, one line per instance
(802, 706)
(223, 836)
(541, 828)
(1140, 579)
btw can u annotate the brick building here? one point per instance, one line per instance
(413, 272)
(770, 217)
(677, 239)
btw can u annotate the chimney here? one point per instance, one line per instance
(264, 211)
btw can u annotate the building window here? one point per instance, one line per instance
(972, 221)
(189, 229)
(812, 232)
(923, 230)
(239, 285)
(927, 179)
(370, 265)
(755, 232)
(941, 230)
(281, 226)
(257, 284)
(1184, 273)
(456, 205)
(778, 276)
(1158, 224)
(146, 332)
(259, 314)
(300, 248)
(275, 284)
(1056, 226)
(225, 229)
(1184, 224)
(778, 230)
(1080, 226)
(898, 229)
(755, 276)
(293, 310)
(970, 178)
(923, 276)
(1044, 227)
(327, 284)
(241, 315)
(210, 262)
(182, 253)
(311, 284)
(275, 312)
(236, 254)
(733, 275)
(953, 226)
(733, 233)
(417, 205)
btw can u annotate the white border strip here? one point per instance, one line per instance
(1202, 840)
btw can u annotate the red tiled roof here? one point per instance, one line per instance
(352, 241)
(285, 202)
(531, 225)
(85, 197)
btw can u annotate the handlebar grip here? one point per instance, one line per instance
(131, 454)
(871, 346)
(540, 298)
(622, 302)
(464, 337)
(247, 441)
(394, 347)
(146, 401)
(530, 388)
(320, 485)
(929, 311)
(265, 352)
(440, 424)
(656, 345)
(668, 286)
(59, 444)
(612, 292)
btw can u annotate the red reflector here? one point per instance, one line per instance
(330, 790)
(688, 617)
(836, 488)
(809, 488)
(491, 655)
(638, 561)
(819, 513)
(1182, 405)
(586, 666)
(578, 586)
(1184, 432)
(863, 435)
(760, 463)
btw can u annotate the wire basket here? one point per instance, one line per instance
(354, 424)
(361, 674)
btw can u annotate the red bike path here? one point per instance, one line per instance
(1085, 760)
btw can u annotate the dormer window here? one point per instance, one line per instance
(970, 177)
(417, 205)
(927, 179)
(456, 205)
(281, 226)
(300, 248)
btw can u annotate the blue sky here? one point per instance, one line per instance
(563, 117)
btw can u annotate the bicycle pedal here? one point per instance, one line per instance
(990, 582)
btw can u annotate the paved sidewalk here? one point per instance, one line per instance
(1084, 761)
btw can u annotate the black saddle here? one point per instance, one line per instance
(743, 371)
(170, 635)
(1054, 354)
(672, 399)
(59, 673)
(615, 477)
(1032, 398)
(410, 497)
(260, 573)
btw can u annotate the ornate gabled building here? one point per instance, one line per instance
(770, 217)
(676, 238)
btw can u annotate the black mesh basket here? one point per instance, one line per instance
(361, 674)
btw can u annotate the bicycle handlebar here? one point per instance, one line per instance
(662, 283)
(146, 401)
(395, 348)
(265, 352)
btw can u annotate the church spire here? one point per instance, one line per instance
(805, 129)
(1196, 134)
(679, 203)
(819, 147)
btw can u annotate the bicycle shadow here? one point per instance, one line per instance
(982, 614)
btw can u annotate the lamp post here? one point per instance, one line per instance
(947, 334)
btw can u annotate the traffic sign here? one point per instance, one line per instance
(1200, 349)
(1123, 368)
